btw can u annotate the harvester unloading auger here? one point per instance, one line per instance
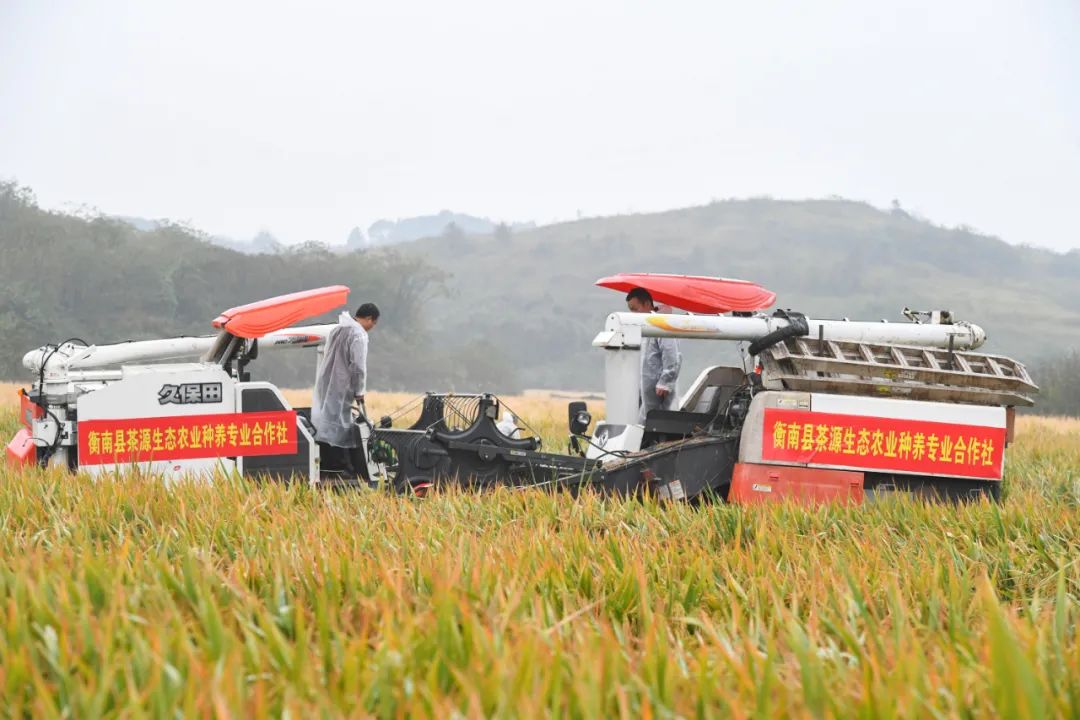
(832, 410)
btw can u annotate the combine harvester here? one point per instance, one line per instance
(104, 408)
(832, 409)
(826, 411)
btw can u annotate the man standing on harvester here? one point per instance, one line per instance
(660, 360)
(342, 380)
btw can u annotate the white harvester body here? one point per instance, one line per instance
(176, 407)
(839, 407)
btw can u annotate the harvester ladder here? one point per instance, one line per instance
(917, 373)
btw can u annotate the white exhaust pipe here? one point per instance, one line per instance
(625, 329)
(77, 357)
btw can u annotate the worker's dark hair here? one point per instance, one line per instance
(368, 310)
(639, 294)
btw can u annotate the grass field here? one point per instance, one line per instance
(126, 598)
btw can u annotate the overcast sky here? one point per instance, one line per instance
(310, 118)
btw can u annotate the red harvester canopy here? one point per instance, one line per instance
(694, 293)
(265, 316)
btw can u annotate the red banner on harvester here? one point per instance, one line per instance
(186, 437)
(878, 443)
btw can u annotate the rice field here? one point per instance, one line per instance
(233, 599)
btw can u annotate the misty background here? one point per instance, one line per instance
(310, 119)
(473, 167)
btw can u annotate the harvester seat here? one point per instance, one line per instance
(712, 389)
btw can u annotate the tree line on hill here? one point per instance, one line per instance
(1058, 378)
(102, 280)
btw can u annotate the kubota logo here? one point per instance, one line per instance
(189, 394)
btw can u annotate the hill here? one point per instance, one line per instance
(391, 232)
(381, 233)
(263, 242)
(532, 294)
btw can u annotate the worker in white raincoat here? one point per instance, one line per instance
(660, 361)
(343, 379)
